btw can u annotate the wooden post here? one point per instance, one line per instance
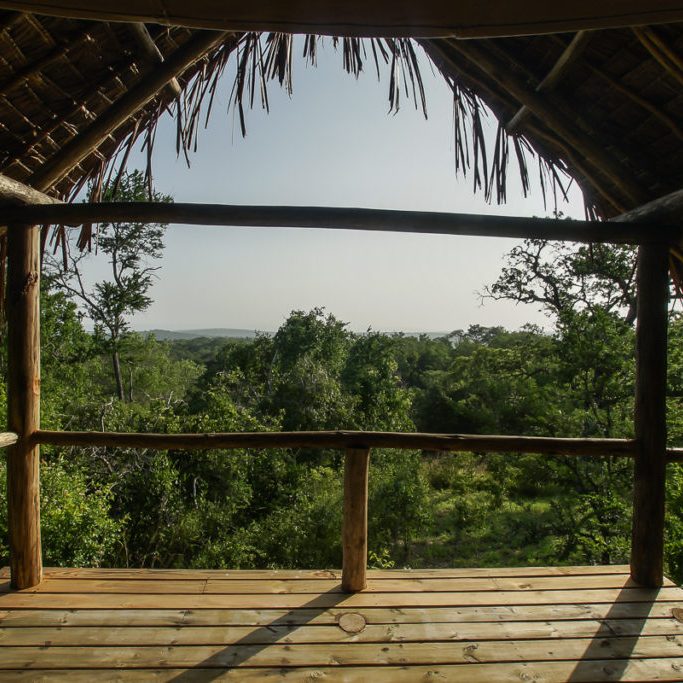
(355, 525)
(23, 399)
(647, 550)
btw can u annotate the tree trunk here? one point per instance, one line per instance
(130, 384)
(116, 361)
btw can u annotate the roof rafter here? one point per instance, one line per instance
(660, 50)
(33, 68)
(152, 53)
(668, 208)
(594, 153)
(570, 54)
(370, 18)
(126, 106)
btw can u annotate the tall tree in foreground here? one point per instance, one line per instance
(132, 249)
(588, 292)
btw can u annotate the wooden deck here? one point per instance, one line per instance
(473, 625)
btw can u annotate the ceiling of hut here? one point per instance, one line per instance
(606, 106)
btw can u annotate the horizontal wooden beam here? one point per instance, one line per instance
(14, 192)
(667, 209)
(428, 18)
(674, 454)
(342, 440)
(344, 219)
(8, 439)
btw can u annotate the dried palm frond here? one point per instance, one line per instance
(261, 59)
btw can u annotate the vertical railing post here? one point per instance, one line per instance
(647, 549)
(355, 524)
(23, 403)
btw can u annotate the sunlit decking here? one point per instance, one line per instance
(528, 624)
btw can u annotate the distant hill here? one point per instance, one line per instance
(430, 335)
(238, 333)
(222, 332)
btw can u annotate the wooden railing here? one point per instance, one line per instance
(650, 226)
(357, 446)
(342, 439)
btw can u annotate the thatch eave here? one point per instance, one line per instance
(604, 107)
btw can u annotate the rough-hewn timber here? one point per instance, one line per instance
(23, 403)
(647, 546)
(376, 18)
(355, 523)
(337, 218)
(667, 209)
(14, 192)
(474, 625)
(343, 440)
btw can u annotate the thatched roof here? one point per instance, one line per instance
(605, 106)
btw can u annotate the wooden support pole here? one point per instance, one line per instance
(674, 454)
(355, 524)
(23, 400)
(647, 550)
(344, 218)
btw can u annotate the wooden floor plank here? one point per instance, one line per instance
(340, 654)
(33, 600)
(277, 586)
(293, 574)
(22, 618)
(595, 671)
(299, 634)
(534, 624)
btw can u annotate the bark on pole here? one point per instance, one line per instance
(23, 400)
(647, 549)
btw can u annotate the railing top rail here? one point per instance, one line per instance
(344, 218)
(342, 439)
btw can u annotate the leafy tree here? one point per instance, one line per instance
(131, 248)
(562, 278)
(309, 352)
(589, 292)
(370, 377)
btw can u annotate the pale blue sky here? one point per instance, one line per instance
(332, 143)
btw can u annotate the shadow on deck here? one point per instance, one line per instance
(536, 624)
